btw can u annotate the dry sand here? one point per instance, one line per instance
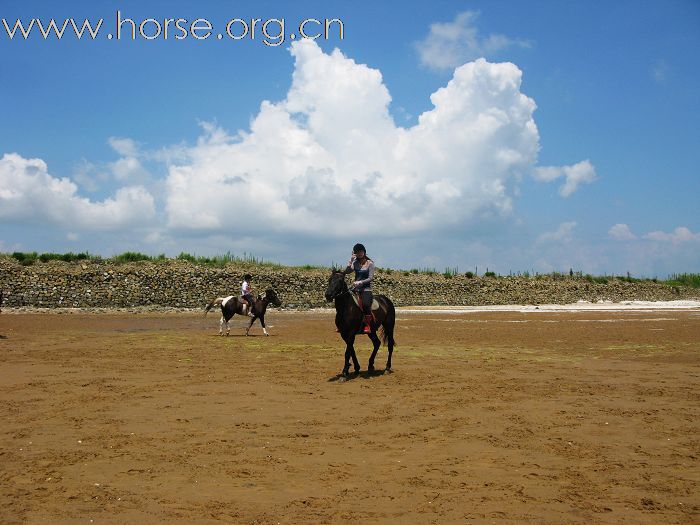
(488, 417)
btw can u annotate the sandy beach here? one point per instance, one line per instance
(587, 416)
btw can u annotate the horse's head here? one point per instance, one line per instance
(336, 285)
(272, 298)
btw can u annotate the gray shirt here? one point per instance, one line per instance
(363, 273)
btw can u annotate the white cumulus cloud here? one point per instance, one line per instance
(327, 163)
(29, 193)
(580, 173)
(330, 155)
(621, 232)
(126, 147)
(128, 168)
(450, 44)
(563, 234)
(679, 235)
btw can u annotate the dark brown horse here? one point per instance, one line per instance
(349, 319)
(232, 305)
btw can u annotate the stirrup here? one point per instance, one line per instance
(367, 329)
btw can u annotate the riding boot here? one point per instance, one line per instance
(368, 324)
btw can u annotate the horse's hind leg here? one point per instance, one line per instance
(221, 325)
(390, 347)
(377, 343)
(389, 332)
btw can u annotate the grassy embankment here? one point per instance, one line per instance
(29, 258)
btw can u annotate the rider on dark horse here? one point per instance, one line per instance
(247, 294)
(363, 267)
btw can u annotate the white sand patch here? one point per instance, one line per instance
(621, 320)
(581, 306)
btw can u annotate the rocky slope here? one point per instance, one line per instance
(181, 284)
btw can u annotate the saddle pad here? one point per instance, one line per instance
(375, 304)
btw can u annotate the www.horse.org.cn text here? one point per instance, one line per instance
(271, 31)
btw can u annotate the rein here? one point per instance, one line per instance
(347, 290)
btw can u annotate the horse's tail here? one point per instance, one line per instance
(386, 331)
(214, 302)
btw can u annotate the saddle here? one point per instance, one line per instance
(250, 305)
(358, 301)
(375, 307)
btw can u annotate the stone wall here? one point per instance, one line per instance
(181, 284)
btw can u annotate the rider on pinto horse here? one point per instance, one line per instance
(247, 295)
(363, 267)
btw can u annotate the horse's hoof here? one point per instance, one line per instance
(370, 368)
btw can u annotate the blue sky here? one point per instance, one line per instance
(169, 146)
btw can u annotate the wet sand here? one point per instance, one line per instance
(488, 417)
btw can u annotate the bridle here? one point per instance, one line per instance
(269, 300)
(343, 292)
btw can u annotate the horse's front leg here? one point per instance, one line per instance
(377, 343)
(353, 355)
(221, 325)
(350, 353)
(252, 320)
(355, 362)
(262, 322)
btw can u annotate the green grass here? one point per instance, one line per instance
(595, 279)
(684, 279)
(228, 258)
(67, 257)
(134, 257)
(449, 273)
(25, 258)
(29, 258)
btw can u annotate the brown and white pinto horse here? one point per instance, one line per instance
(232, 305)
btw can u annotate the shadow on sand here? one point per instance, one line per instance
(364, 374)
(243, 335)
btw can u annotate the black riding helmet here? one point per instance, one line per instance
(359, 248)
(247, 277)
